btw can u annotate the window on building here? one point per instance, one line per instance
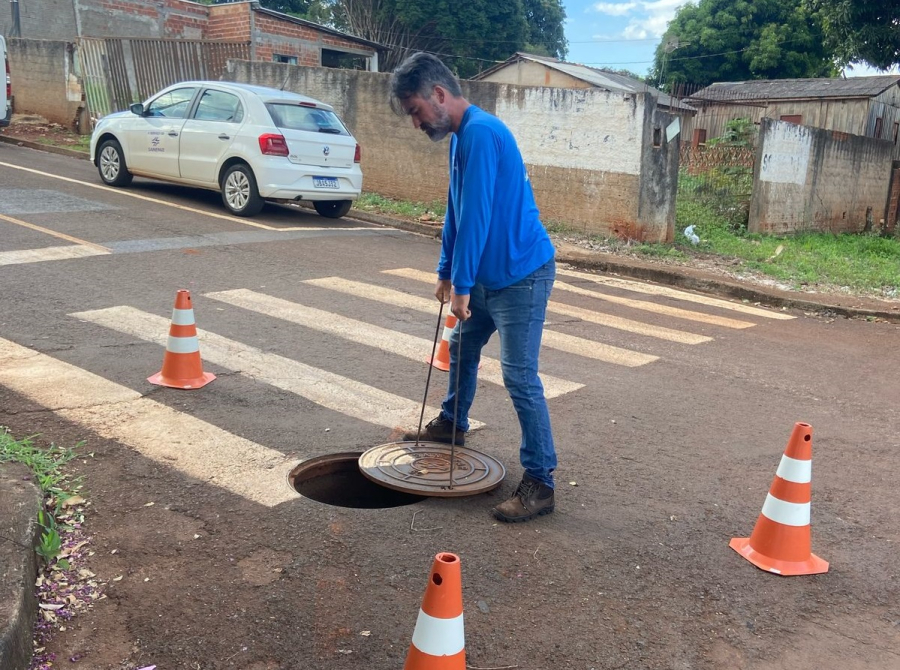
(343, 60)
(879, 125)
(793, 118)
(896, 132)
(281, 58)
(699, 137)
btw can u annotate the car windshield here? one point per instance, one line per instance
(298, 117)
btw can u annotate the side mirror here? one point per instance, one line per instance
(137, 108)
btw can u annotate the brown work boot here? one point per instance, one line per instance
(439, 429)
(532, 498)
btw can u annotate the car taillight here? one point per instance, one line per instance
(357, 155)
(273, 145)
(8, 83)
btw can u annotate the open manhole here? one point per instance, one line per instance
(335, 479)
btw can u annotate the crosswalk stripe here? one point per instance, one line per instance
(48, 254)
(552, 339)
(319, 386)
(651, 289)
(409, 346)
(190, 445)
(665, 310)
(599, 318)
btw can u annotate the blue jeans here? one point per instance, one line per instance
(517, 313)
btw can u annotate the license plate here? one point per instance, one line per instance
(325, 182)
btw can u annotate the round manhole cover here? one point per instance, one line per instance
(424, 468)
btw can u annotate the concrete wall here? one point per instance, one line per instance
(529, 73)
(43, 80)
(813, 179)
(41, 19)
(584, 148)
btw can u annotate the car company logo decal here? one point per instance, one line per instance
(326, 150)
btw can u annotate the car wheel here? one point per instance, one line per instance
(111, 164)
(333, 209)
(239, 192)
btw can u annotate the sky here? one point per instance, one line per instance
(623, 34)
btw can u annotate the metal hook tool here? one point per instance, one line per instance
(437, 332)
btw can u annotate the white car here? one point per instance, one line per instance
(250, 142)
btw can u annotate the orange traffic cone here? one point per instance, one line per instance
(182, 367)
(438, 642)
(780, 542)
(442, 360)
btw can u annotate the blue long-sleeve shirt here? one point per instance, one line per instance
(492, 230)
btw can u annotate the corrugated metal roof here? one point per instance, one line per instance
(782, 89)
(609, 81)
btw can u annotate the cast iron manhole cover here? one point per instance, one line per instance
(424, 468)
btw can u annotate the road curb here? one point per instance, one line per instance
(49, 148)
(21, 501)
(687, 279)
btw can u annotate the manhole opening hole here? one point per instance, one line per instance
(335, 479)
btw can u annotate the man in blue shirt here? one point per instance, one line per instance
(496, 270)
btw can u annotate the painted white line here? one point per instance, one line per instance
(176, 440)
(665, 310)
(192, 210)
(551, 339)
(48, 254)
(652, 289)
(53, 233)
(409, 346)
(327, 389)
(599, 318)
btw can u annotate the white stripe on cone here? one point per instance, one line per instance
(183, 345)
(786, 513)
(183, 317)
(792, 470)
(439, 637)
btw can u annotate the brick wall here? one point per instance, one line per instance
(229, 22)
(583, 148)
(44, 81)
(814, 179)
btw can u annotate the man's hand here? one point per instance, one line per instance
(459, 306)
(442, 290)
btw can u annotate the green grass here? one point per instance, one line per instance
(47, 464)
(83, 143)
(372, 202)
(863, 262)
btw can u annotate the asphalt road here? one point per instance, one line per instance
(671, 411)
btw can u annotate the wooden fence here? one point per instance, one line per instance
(120, 71)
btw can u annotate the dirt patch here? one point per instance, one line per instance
(33, 128)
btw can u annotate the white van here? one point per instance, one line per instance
(5, 90)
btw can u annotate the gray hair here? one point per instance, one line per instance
(418, 75)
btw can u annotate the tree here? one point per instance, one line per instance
(862, 31)
(544, 20)
(737, 40)
(319, 11)
(470, 36)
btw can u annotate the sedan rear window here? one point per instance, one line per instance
(298, 117)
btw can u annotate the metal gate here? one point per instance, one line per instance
(118, 71)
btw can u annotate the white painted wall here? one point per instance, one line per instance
(785, 159)
(588, 129)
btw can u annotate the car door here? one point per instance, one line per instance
(152, 139)
(208, 134)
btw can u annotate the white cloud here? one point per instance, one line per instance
(647, 19)
(614, 8)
